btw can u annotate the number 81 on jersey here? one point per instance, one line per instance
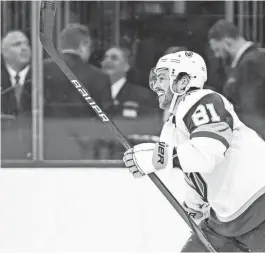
(205, 114)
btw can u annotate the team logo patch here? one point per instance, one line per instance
(188, 54)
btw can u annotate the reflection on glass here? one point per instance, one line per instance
(72, 130)
(16, 82)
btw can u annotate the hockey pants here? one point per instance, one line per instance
(254, 240)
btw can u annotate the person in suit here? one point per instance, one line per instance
(131, 101)
(131, 97)
(134, 75)
(245, 63)
(15, 74)
(61, 97)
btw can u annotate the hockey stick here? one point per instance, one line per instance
(47, 14)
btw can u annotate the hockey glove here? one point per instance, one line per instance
(146, 158)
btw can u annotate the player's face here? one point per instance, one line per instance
(161, 85)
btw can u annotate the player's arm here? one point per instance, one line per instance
(210, 126)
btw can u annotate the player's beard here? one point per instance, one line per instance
(166, 100)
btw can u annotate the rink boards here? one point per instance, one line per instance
(88, 210)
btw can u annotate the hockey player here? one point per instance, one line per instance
(223, 160)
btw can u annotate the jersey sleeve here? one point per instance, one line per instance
(210, 126)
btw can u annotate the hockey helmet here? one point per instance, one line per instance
(179, 64)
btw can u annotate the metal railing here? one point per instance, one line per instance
(15, 15)
(249, 16)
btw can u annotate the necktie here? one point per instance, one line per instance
(18, 88)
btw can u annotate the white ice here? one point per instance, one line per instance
(88, 210)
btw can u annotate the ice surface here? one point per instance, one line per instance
(88, 210)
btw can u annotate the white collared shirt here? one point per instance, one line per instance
(116, 87)
(22, 75)
(240, 53)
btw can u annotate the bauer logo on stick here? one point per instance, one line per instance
(160, 155)
(91, 102)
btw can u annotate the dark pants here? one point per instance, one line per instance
(254, 240)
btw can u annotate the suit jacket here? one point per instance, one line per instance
(135, 76)
(62, 98)
(9, 103)
(145, 99)
(245, 88)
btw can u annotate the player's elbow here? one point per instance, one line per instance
(200, 155)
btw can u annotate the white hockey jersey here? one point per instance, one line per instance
(223, 160)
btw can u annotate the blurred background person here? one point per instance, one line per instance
(16, 97)
(126, 94)
(134, 75)
(15, 73)
(245, 85)
(216, 70)
(75, 48)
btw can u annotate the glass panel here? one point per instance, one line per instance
(16, 81)
(72, 130)
(249, 17)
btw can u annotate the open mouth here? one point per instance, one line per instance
(160, 93)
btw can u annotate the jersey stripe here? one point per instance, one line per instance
(211, 135)
(219, 131)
